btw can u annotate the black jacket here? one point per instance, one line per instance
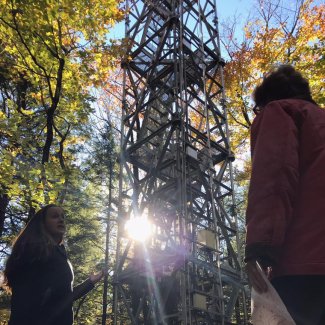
(42, 292)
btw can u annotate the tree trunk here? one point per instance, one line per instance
(4, 201)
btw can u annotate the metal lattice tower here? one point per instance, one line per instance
(176, 169)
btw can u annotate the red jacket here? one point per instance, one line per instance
(286, 201)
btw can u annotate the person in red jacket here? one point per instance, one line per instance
(285, 216)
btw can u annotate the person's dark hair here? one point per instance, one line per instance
(32, 244)
(283, 83)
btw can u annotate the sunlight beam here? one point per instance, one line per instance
(139, 228)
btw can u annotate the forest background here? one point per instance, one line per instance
(60, 100)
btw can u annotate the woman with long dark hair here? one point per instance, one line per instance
(39, 274)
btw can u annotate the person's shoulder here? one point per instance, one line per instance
(296, 108)
(295, 104)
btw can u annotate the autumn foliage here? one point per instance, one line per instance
(52, 55)
(275, 35)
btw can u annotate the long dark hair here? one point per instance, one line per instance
(283, 83)
(32, 244)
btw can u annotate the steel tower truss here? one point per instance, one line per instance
(176, 170)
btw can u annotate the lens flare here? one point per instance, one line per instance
(139, 228)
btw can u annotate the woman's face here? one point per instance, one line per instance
(54, 223)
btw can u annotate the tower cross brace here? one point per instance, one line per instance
(176, 171)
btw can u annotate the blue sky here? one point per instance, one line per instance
(226, 9)
(229, 8)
